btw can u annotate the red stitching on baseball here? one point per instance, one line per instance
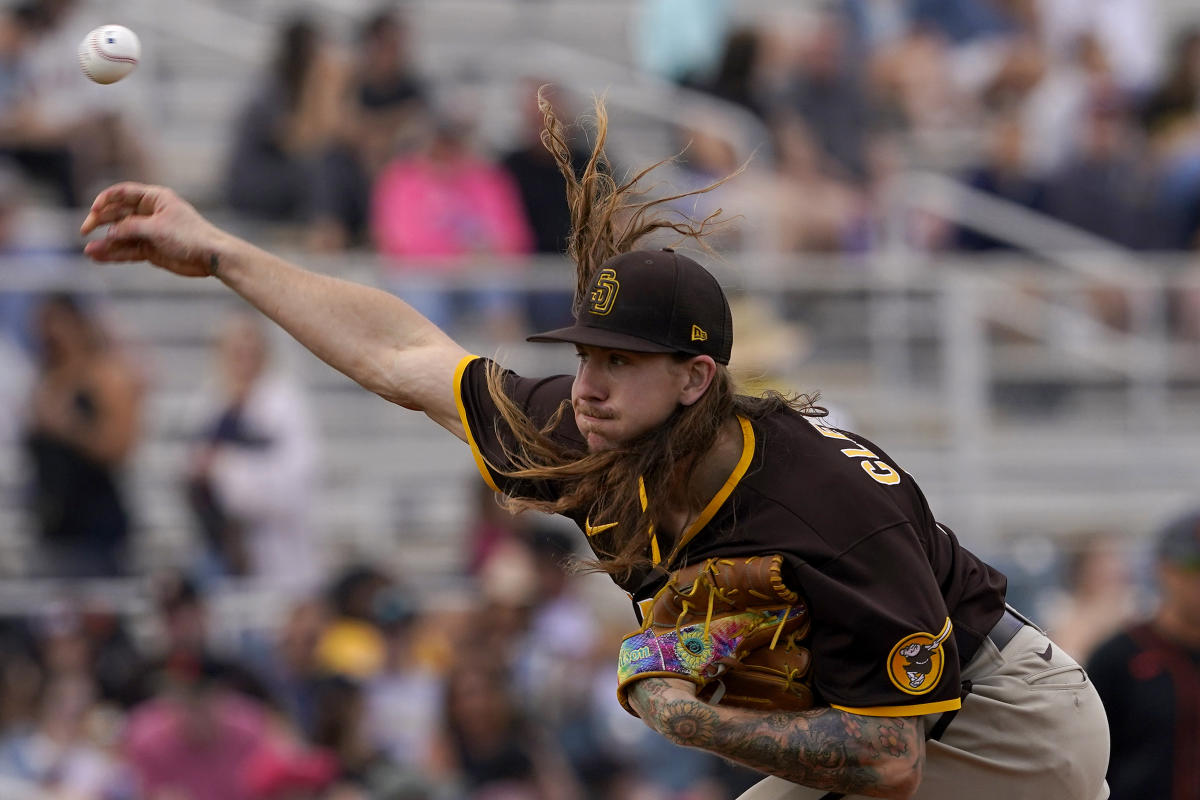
(98, 47)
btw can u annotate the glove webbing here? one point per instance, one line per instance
(714, 593)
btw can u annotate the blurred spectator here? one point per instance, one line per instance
(964, 21)
(537, 177)
(64, 132)
(114, 655)
(403, 699)
(86, 640)
(810, 205)
(251, 481)
(434, 210)
(911, 88)
(362, 599)
(828, 91)
(1004, 173)
(491, 527)
(17, 306)
(1128, 30)
(83, 427)
(1175, 99)
(1099, 596)
(61, 755)
(1054, 98)
(392, 97)
(341, 728)
(21, 673)
(293, 159)
(448, 201)
(284, 767)
(1105, 188)
(1149, 678)
(1020, 68)
(293, 670)
(540, 186)
(1171, 119)
(195, 739)
(554, 659)
(23, 139)
(508, 595)
(706, 155)
(495, 750)
(183, 656)
(679, 40)
(873, 24)
(737, 79)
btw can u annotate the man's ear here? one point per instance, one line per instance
(700, 373)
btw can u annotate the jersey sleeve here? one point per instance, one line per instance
(883, 641)
(488, 436)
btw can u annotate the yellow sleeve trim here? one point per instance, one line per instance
(480, 464)
(903, 711)
(731, 482)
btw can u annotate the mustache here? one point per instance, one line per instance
(592, 411)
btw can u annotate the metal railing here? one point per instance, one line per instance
(988, 470)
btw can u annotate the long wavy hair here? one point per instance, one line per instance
(609, 218)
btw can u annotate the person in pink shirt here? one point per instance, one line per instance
(195, 742)
(436, 210)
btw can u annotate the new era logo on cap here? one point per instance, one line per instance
(652, 301)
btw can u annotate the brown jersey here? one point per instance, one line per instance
(897, 604)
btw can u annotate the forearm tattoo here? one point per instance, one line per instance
(821, 748)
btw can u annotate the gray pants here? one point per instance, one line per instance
(1031, 728)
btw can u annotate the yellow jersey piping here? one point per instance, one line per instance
(480, 464)
(903, 711)
(731, 482)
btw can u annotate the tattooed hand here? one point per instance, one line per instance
(822, 748)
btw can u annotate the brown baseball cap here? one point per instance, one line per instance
(652, 301)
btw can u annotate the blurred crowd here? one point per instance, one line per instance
(350, 685)
(1086, 118)
(361, 692)
(363, 689)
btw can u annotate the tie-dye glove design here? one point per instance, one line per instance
(701, 652)
(733, 627)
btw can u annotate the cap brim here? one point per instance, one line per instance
(598, 337)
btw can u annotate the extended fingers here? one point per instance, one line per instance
(116, 250)
(119, 201)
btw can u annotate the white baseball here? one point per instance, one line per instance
(109, 53)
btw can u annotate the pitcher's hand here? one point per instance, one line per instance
(152, 223)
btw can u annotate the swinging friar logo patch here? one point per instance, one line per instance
(916, 662)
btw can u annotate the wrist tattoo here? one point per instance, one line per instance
(214, 262)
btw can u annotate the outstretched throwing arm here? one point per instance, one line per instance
(371, 336)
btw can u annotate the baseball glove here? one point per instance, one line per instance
(732, 627)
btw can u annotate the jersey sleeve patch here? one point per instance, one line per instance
(916, 663)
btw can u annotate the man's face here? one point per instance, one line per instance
(619, 395)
